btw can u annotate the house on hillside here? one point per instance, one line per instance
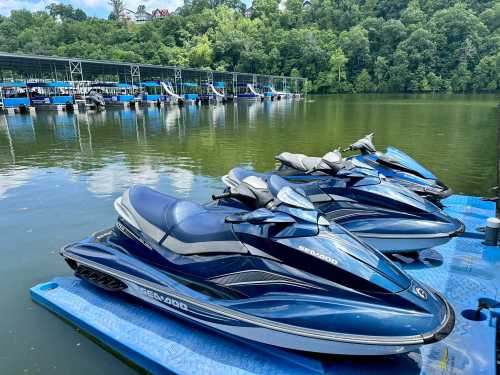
(160, 13)
(142, 15)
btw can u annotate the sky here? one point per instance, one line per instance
(96, 8)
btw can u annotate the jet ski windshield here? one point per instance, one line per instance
(292, 198)
(398, 157)
(399, 193)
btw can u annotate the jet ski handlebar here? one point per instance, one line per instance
(216, 197)
(248, 193)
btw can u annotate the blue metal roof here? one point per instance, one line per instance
(103, 84)
(13, 84)
(188, 84)
(150, 84)
(125, 86)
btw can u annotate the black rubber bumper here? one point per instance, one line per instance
(447, 327)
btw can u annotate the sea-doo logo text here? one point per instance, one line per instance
(314, 253)
(127, 232)
(420, 292)
(164, 299)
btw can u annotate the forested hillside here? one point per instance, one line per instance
(339, 45)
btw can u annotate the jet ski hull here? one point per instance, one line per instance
(154, 287)
(409, 243)
(391, 242)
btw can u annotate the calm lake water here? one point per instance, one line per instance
(59, 174)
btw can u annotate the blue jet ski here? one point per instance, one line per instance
(400, 168)
(387, 216)
(279, 275)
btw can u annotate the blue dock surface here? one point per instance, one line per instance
(464, 270)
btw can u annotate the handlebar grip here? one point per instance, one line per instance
(221, 196)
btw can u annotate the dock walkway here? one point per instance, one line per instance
(464, 270)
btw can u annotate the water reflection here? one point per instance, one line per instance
(116, 177)
(14, 178)
(115, 146)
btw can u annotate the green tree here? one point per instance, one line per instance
(66, 12)
(491, 16)
(363, 82)
(381, 71)
(356, 46)
(413, 16)
(420, 49)
(201, 52)
(338, 62)
(453, 28)
(487, 73)
(117, 8)
(461, 78)
(435, 82)
(265, 8)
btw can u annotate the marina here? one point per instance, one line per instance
(55, 83)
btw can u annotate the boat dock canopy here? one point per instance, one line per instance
(37, 67)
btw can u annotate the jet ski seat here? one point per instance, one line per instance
(184, 227)
(299, 162)
(331, 163)
(160, 210)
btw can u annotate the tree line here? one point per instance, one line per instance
(339, 45)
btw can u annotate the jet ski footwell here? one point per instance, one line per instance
(161, 344)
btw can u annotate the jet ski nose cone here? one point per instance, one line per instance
(447, 224)
(458, 226)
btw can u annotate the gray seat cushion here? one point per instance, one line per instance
(299, 162)
(157, 213)
(181, 226)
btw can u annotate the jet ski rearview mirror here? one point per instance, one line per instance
(292, 197)
(228, 181)
(364, 145)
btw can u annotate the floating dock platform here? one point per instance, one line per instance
(464, 270)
